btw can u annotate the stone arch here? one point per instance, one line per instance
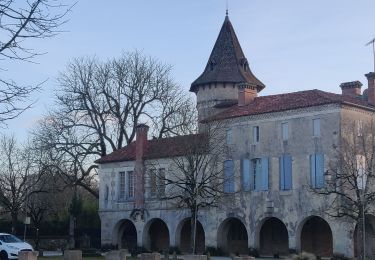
(183, 233)
(273, 238)
(156, 235)
(125, 235)
(369, 237)
(232, 236)
(316, 236)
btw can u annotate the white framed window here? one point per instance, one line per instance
(256, 134)
(285, 131)
(316, 127)
(153, 183)
(229, 137)
(130, 184)
(122, 186)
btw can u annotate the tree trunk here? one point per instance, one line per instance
(360, 236)
(14, 222)
(193, 234)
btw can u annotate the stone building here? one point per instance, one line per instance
(278, 149)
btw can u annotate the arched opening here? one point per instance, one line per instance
(185, 237)
(127, 235)
(232, 237)
(273, 238)
(316, 237)
(369, 238)
(156, 236)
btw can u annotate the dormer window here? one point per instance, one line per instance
(245, 66)
(212, 65)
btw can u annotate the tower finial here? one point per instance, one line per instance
(226, 11)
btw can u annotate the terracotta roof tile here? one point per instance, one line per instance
(158, 148)
(288, 101)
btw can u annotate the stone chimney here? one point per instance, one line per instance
(371, 88)
(140, 149)
(352, 88)
(246, 94)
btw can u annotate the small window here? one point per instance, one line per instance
(359, 128)
(285, 131)
(246, 175)
(285, 172)
(255, 134)
(361, 171)
(229, 176)
(317, 170)
(259, 169)
(130, 184)
(122, 186)
(316, 127)
(229, 137)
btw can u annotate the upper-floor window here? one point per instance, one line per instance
(126, 185)
(259, 167)
(229, 176)
(122, 186)
(361, 171)
(229, 137)
(130, 184)
(161, 182)
(285, 131)
(246, 175)
(256, 134)
(285, 172)
(317, 170)
(316, 127)
(157, 182)
(359, 128)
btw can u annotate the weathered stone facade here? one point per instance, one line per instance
(273, 220)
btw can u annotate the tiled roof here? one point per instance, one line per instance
(158, 148)
(288, 101)
(227, 62)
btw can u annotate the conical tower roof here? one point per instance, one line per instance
(227, 62)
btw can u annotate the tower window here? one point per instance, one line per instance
(212, 65)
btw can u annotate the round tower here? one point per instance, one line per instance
(227, 74)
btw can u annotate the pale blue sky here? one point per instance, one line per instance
(291, 45)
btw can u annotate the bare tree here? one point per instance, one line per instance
(21, 21)
(99, 105)
(20, 177)
(195, 180)
(350, 178)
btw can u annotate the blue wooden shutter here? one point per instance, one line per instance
(312, 170)
(264, 174)
(228, 175)
(252, 174)
(282, 173)
(246, 174)
(258, 174)
(319, 167)
(287, 172)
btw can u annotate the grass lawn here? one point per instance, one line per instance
(84, 258)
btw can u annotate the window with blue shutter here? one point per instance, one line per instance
(229, 176)
(260, 173)
(285, 165)
(246, 174)
(317, 170)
